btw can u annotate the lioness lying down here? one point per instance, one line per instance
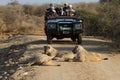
(58, 55)
(40, 59)
(83, 55)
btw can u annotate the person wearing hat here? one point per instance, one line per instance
(70, 11)
(51, 5)
(65, 8)
(50, 11)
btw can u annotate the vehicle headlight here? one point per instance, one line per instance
(78, 26)
(80, 21)
(52, 26)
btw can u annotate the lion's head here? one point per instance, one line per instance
(80, 53)
(79, 49)
(50, 51)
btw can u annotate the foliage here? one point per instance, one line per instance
(109, 12)
(9, 16)
(90, 21)
(14, 2)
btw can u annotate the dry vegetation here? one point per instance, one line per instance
(19, 20)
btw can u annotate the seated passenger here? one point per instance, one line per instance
(70, 11)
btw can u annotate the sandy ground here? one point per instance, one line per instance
(104, 70)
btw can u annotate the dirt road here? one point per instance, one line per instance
(104, 70)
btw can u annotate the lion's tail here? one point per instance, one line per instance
(105, 59)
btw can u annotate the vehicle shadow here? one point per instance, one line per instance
(37, 42)
(44, 42)
(63, 42)
(66, 44)
(90, 45)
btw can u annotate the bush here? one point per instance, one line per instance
(110, 17)
(91, 26)
(35, 10)
(14, 21)
(9, 16)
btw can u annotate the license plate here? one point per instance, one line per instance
(66, 32)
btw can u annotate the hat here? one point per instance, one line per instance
(51, 5)
(70, 6)
(66, 4)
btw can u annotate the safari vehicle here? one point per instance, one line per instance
(64, 27)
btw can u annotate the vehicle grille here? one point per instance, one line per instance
(65, 28)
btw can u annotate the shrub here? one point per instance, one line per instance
(110, 17)
(9, 16)
(90, 21)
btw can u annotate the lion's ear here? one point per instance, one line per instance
(44, 46)
(75, 49)
(48, 47)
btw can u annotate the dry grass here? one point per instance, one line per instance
(91, 7)
(32, 25)
(14, 21)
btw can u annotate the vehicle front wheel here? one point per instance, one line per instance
(73, 39)
(79, 39)
(49, 39)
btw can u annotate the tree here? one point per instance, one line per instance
(14, 2)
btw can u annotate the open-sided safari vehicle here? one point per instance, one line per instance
(64, 27)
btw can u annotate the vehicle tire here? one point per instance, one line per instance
(73, 39)
(49, 39)
(79, 39)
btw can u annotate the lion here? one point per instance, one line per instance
(82, 55)
(40, 59)
(58, 55)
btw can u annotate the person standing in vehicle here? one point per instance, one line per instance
(70, 11)
(65, 8)
(50, 11)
